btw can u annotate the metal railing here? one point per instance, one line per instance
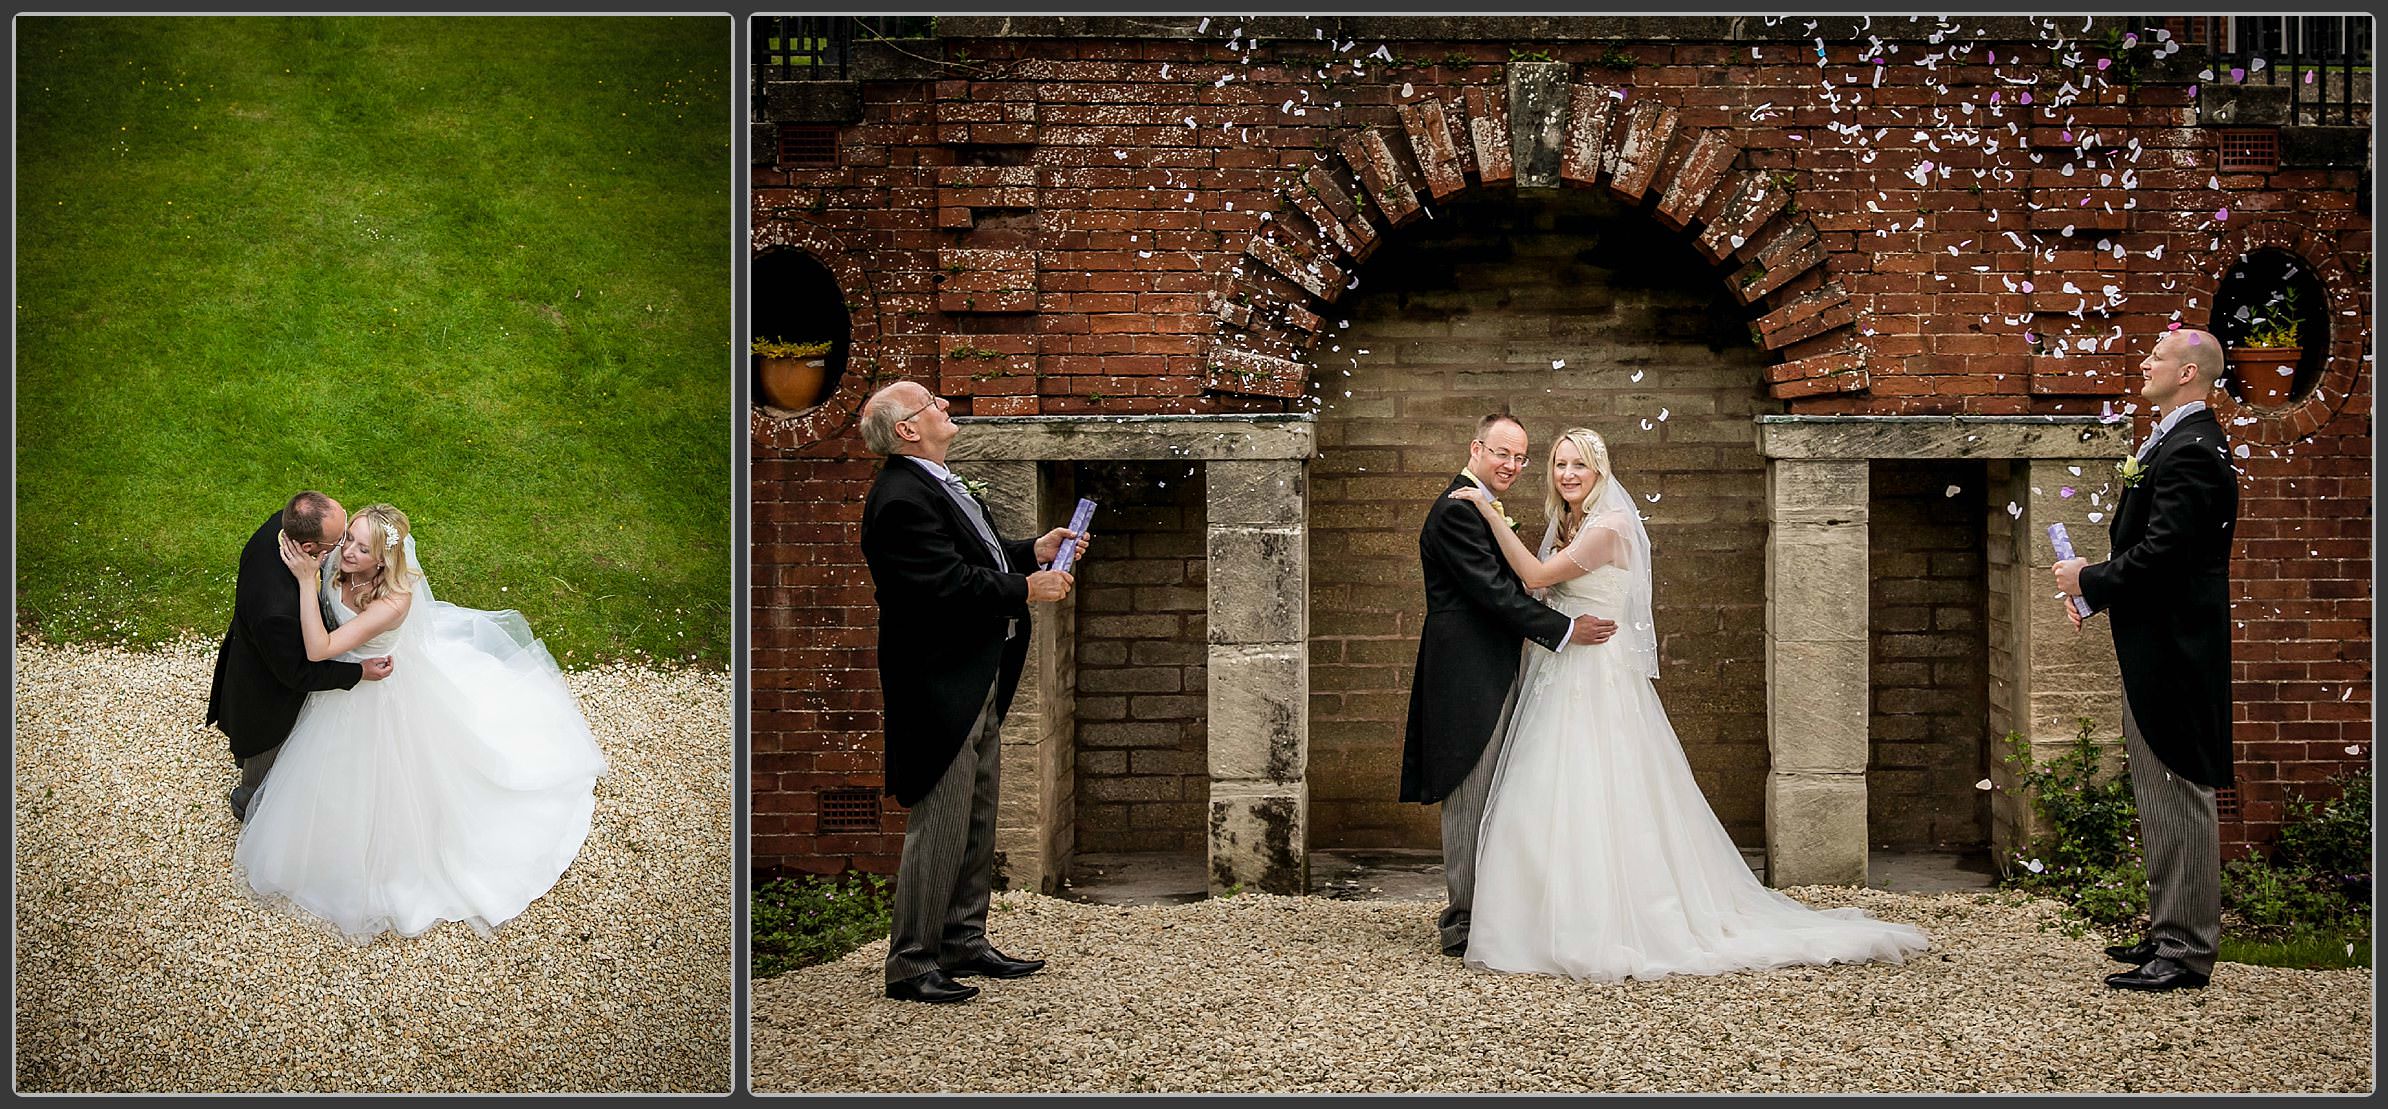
(818, 47)
(2325, 61)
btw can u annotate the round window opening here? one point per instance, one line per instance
(2270, 312)
(801, 332)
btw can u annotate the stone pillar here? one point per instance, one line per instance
(2044, 676)
(1817, 678)
(1035, 816)
(1259, 687)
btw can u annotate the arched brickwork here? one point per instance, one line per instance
(2348, 306)
(1336, 214)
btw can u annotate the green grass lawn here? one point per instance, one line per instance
(477, 268)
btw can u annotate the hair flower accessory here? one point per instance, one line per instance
(389, 534)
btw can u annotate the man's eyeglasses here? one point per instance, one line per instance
(1504, 457)
(917, 411)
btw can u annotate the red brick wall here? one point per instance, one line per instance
(1035, 204)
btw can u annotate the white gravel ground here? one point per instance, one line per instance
(1260, 993)
(142, 966)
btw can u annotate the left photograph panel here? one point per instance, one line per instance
(373, 594)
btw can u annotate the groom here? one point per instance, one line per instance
(262, 672)
(2167, 592)
(1468, 649)
(953, 600)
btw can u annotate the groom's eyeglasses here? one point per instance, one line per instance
(1504, 457)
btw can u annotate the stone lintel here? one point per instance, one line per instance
(1134, 438)
(1852, 437)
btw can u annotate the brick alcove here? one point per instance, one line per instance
(769, 428)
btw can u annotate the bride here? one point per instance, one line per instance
(457, 789)
(1599, 857)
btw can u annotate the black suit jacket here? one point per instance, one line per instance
(2167, 591)
(1477, 615)
(944, 603)
(262, 672)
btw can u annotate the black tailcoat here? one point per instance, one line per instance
(1478, 616)
(2167, 591)
(944, 604)
(262, 672)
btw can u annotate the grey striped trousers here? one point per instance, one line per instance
(2182, 839)
(947, 871)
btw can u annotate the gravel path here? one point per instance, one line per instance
(1260, 993)
(142, 966)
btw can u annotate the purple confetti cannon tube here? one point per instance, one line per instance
(2063, 542)
(1068, 555)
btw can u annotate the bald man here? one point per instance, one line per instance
(2166, 590)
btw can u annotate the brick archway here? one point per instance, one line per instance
(1538, 132)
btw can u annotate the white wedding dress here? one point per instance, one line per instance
(458, 788)
(1599, 857)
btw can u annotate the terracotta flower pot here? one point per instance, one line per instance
(794, 384)
(2266, 374)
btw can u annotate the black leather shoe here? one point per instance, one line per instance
(932, 986)
(2159, 974)
(1457, 952)
(995, 964)
(2137, 954)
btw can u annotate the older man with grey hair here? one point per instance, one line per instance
(954, 599)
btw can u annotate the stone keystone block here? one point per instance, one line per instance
(1537, 121)
(1259, 713)
(1259, 838)
(1815, 829)
(1258, 590)
(1266, 493)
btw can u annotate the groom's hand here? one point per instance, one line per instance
(376, 668)
(1592, 629)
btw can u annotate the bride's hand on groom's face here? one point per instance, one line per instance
(301, 564)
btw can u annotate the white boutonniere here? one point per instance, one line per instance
(975, 487)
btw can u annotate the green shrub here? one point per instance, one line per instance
(2316, 887)
(2088, 856)
(815, 919)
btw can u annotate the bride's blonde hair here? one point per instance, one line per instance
(1596, 453)
(388, 535)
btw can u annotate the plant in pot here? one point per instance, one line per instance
(793, 376)
(2265, 359)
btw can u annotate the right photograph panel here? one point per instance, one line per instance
(1309, 554)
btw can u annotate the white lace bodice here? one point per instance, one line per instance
(372, 648)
